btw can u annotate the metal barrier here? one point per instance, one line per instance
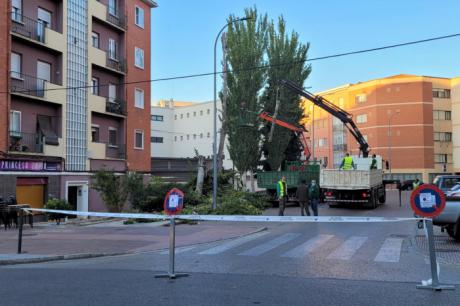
(431, 284)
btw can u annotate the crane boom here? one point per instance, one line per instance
(334, 110)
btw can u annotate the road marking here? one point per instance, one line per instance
(270, 245)
(307, 247)
(347, 249)
(390, 250)
(232, 244)
(179, 250)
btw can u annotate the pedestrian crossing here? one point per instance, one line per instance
(296, 246)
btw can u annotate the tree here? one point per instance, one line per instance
(246, 44)
(112, 187)
(282, 49)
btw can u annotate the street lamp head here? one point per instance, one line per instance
(243, 19)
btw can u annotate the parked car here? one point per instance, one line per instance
(449, 219)
(454, 191)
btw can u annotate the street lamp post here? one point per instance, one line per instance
(390, 116)
(214, 145)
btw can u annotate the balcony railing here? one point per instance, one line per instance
(114, 62)
(26, 142)
(115, 106)
(28, 27)
(115, 151)
(27, 85)
(340, 147)
(116, 16)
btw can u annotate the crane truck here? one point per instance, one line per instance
(362, 186)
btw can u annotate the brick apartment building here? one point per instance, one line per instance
(411, 121)
(55, 129)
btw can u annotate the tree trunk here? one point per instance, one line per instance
(223, 117)
(200, 176)
(253, 186)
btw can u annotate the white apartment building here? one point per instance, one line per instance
(180, 128)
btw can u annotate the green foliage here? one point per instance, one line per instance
(113, 189)
(135, 188)
(246, 44)
(284, 48)
(57, 204)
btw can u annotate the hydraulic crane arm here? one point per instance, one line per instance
(334, 110)
(298, 130)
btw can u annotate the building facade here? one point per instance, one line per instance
(411, 121)
(66, 108)
(180, 128)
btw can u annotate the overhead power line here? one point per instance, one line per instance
(197, 75)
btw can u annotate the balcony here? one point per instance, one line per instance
(26, 85)
(36, 31)
(26, 142)
(115, 16)
(107, 59)
(101, 150)
(115, 106)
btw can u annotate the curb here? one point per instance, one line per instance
(20, 261)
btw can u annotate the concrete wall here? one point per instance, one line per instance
(164, 129)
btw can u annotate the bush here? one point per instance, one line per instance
(57, 204)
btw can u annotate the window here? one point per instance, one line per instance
(175, 138)
(201, 135)
(95, 39)
(188, 137)
(181, 138)
(188, 115)
(442, 136)
(113, 7)
(440, 158)
(442, 115)
(156, 139)
(209, 135)
(95, 86)
(201, 113)
(139, 139)
(15, 123)
(208, 111)
(194, 114)
(43, 21)
(361, 98)
(139, 57)
(112, 137)
(194, 136)
(139, 17)
(17, 10)
(16, 60)
(157, 118)
(181, 116)
(322, 142)
(361, 118)
(175, 117)
(95, 133)
(112, 49)
(139, 98)
(441, 93)
(112, 92)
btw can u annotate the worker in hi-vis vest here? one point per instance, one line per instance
(281, 192)
(347, 163)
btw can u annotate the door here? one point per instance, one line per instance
(44, 21)
(72, 194)
(112, 92)
(43, 74)
(112, 49)
(34, 195)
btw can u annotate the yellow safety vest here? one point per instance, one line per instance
(281, 185)
(347, 163)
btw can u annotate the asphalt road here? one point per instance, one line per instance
(288, 264)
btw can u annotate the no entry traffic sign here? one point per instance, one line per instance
(174, 201)
(428, 201)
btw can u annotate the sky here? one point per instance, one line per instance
(183, 34)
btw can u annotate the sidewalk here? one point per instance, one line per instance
(51, 242)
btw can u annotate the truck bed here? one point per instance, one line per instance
(350, 179)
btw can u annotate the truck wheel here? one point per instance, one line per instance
(454, 230)
(383, 198)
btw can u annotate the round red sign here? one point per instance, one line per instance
(174, 202)
(428, 201)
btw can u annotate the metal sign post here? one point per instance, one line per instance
(429, 201)
(173, 204)
(434, 284)
(21, 221)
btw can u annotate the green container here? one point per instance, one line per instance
(294, 173)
